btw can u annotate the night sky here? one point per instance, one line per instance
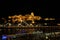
(23, 7)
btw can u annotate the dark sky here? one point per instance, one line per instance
(23, 7)
(40, 8)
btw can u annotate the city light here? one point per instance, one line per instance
(4, 37)
(19, 18)
(58, 24)
(18, 27)
(49, 18)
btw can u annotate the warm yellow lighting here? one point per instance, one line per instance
(9, 17)
(30, 24)
(58, 24)
(37, 18)
(46, 19)
(49, 19)
(46, 37)
(32, 14)
(33, 21)
(32, 17)
(52, 18)
(19, 18)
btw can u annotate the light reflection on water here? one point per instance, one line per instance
(33, 36)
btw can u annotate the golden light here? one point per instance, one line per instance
(58, 24)
(32, 17)
(19, 18)
(13, 21)
(49, 18)
(9, 17)
(32, 14)
(37, 18)
(52, 18)
(46, 19)
(30, 24)
(33, 21)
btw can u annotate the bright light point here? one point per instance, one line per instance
(9, 17)
(32, 13)
(20, 18)
(58, 24)
(46, 37)
(52, 18)
(49, 19)
(30, 24)
(46, 19)
(45, 23)
(33, 21)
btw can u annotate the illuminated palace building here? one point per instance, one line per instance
(29, 27)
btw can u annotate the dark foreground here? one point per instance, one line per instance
(41, 33)
(34, 36)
